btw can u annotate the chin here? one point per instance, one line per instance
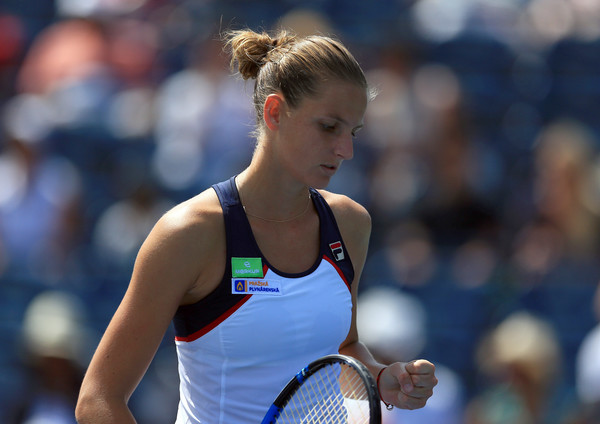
(320, 183)
(318, 179)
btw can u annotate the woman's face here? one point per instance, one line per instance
(317, 136)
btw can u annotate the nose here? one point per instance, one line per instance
(345, 147)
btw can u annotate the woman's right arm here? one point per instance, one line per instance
(168, 271)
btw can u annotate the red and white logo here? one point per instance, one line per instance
(337, 250)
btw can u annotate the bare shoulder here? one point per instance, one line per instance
(348, 213)
(186, 246)
(190, 225)
(201, 213)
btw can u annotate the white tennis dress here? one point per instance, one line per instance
(238, 347)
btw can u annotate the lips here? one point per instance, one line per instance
(329, 169)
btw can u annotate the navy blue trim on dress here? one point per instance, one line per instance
(204, 315)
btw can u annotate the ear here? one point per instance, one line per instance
(273, 110)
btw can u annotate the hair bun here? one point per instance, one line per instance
(252, 50)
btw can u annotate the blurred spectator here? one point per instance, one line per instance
(132, 51)
(56, 344)
(198, 139)
(563, 169)
(408, 258)
(132, 55)
(393, 124)
(39, 210)
(520, 362)
(475, 264)
(123, 227)
(64, 52)
(454, 205)
(537, 250)
(427, 164)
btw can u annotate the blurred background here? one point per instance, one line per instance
(479, 163)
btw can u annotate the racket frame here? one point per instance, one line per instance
(296, 382)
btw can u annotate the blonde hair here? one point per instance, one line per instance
(291, 65)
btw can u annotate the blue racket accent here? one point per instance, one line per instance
(302, 375)
(272, 415)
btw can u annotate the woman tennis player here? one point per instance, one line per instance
(258, 273)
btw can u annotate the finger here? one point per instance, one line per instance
(424, 380)
(421, 393)
(420, 366)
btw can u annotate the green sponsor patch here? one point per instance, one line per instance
(246, 267)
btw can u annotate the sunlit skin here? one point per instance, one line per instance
(318, 136)
(302, 146)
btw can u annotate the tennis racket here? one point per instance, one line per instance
(334, 389)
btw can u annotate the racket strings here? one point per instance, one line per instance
(356, 396)
(312, 401)
(332, 395)
(333, 407)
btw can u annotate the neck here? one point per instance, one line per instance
(281, 221)
(270, 199)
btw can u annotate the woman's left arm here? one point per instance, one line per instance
(406, 385)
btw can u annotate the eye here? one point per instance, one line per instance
(327, 127)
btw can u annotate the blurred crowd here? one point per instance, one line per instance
(479, 163)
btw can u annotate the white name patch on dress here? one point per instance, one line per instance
(254, 286)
